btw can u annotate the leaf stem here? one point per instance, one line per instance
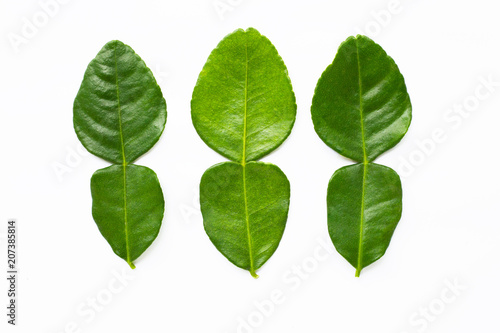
(252, 272)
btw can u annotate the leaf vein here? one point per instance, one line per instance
(124, 163)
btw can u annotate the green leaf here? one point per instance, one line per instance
(364, 206)
(245, 210)
(243, 105)
(128, 208)
(119, 112)
(361, 107)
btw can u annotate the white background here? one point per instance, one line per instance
(449, 233)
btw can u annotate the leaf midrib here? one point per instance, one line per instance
(362, 123)
(124, 163)
(365, 166)
(243, 164)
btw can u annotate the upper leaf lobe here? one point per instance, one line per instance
(243, 105)
(119, 111)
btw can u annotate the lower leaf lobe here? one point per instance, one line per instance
(364, 207)
(245, 209)
(127, 206)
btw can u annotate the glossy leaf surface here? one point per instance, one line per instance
(364, 207)
(127, 206)
(245, 210)
(243, 105)
(361, 107)
(119, 112)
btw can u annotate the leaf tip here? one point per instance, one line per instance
(252, 30)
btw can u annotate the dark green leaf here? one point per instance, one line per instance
(119, 114)
(119, 111)
(245, 210)
(361, 107)
(128, 208)
(243, 105)
(364, 206)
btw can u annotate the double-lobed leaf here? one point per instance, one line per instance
(119, 113)
(361, 109)
(243, 107)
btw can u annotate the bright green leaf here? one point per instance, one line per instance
(364, 206)
(361, 107)
(119, 112)
(245, 210)
(243, 105)
(127, 207)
